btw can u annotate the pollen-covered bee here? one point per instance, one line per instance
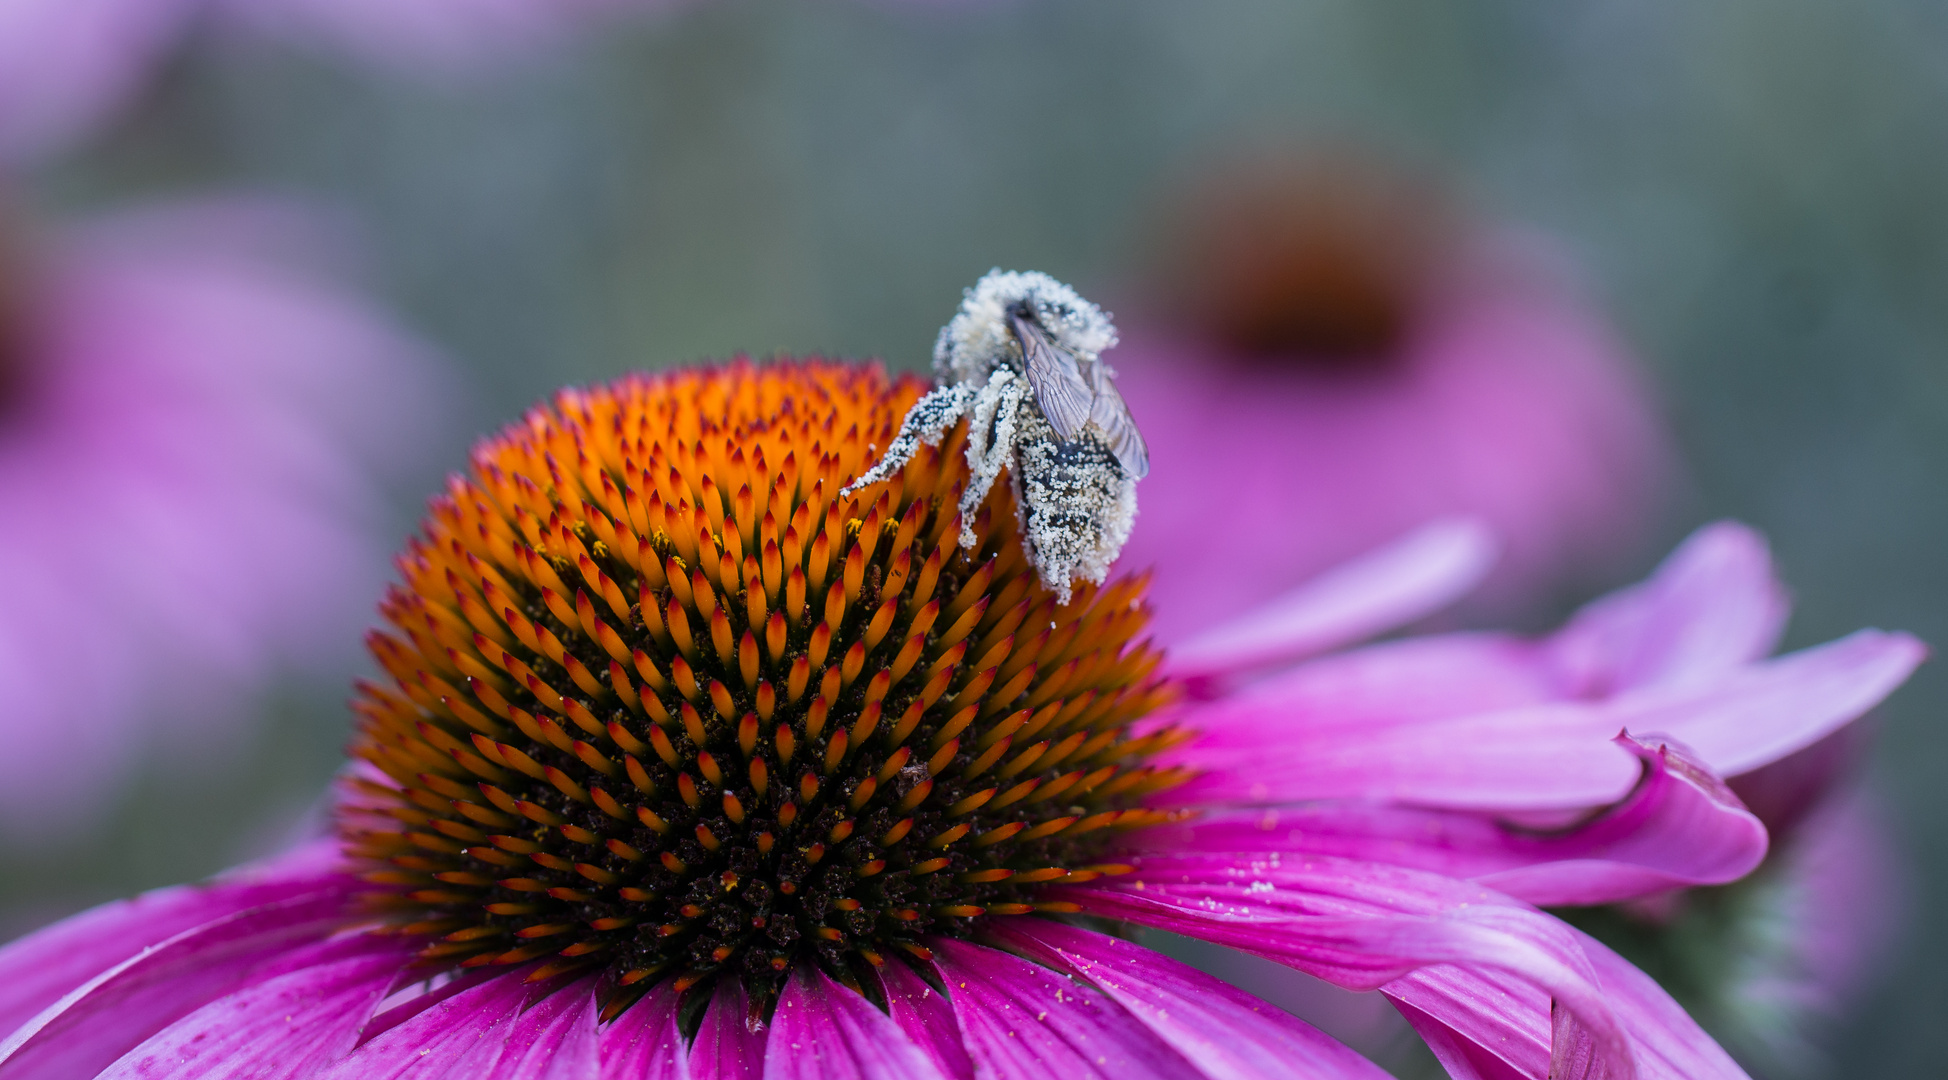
(1022, 361)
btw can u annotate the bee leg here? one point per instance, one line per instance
(925, 422)
(990, 442)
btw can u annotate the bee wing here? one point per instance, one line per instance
(1112, 415)
(1064, 396)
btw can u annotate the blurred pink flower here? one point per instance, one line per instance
(190, 435)
(66, 66)
(1354, 358)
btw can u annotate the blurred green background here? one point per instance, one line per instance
(1758, 190)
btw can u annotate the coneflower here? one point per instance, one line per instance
(688, 766)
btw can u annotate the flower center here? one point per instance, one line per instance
(1320, 261)
(661, 701)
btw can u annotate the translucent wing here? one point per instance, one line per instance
(1112, 415)
(1064, 396)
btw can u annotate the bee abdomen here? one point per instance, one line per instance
(1077, 503)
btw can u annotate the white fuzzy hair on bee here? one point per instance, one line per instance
(1022, 362)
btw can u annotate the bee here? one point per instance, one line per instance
(1022, 363)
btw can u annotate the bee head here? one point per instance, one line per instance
(981, 337)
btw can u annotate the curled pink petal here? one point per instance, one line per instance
(1682, 827)
(1225, 1032)
(823, 1030)
(1395, 585)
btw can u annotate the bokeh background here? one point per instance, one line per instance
(1754, 189)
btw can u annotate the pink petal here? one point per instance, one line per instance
(1411, 679)
(1670, 1045)
(823, 1030)
(1574, 1053)
(504, 1028)
(1478, 1022)
(112, 1013)
(1483, 1023)
(927, 1018)
(36, 970)
(433, 1037)
(730, 1044)
(1462, 716)
(1225, 1032)
(1539, 757)
(1020, 1020)
(1391, 587)
(1712, 606)
(554, 1039)
(1765, 711)
(1679, 827)
(1463, 1058)
(284, 1027)
(644, 1043)
(1359, 926)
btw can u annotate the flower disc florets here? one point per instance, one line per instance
(662, 701)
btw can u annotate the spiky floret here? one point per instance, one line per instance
(661, 700)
